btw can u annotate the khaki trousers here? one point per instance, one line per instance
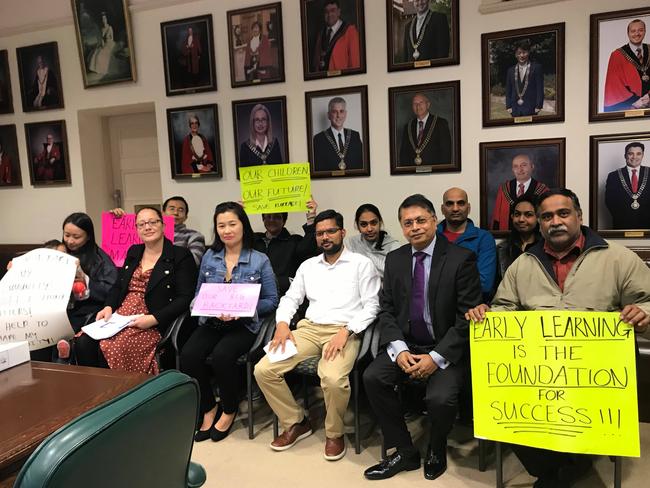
(311, 341)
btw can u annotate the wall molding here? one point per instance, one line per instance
(491, 6)
(135, 7)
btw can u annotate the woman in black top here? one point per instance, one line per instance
(524, 233)
(262, 147)
(79, 240)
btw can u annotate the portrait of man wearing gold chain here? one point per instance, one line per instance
(338, 132)
(426, 139)
(524, 84)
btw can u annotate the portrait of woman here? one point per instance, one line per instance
(104, 40)
(100, 58)
(260, 135)
(194, 148)
(188, 55)
(256, 46)
(40, 77)
(197, 155)
(261, 147)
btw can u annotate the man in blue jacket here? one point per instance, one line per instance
(460, 230)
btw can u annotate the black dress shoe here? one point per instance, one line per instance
(435, 464)
(392, 465)
(204, 435)
(218, 435)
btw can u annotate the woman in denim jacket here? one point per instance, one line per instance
(231, 259)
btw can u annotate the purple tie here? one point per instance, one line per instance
(419, 330)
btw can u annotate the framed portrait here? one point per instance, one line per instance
(260, 127)
(424, 128)
(40, 77)
(620, 184)
(104, 40)
(47, 153)
(194, 147)
(6, 98)
(422, 33)
(256, 45)
(188, 55)
(9, 160)
(333, 38)
(619, 65)
(337, 132)
(523, 75)
(510, 169)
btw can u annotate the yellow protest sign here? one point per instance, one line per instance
(559, 380)
(274, 188)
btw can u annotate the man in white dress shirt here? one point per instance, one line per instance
(342, 289)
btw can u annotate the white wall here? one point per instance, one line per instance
(41, 210)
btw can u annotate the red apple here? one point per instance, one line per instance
(78, 288)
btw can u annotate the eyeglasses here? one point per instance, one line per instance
(150, 223)
(407, 224)
(330, 232)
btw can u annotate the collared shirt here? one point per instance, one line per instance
(526, 185)
(263, 146)
(337, 133)
(523, 68)
(424, 120)
(629, 171)
(420, 20)
(190, 39)
(254, 43)
(396, 347)
(341, 293)
(563, 262)
(336, 27)
(634, 47)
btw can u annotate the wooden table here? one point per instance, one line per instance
(38, 398)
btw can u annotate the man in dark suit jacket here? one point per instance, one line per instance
(524, 84)
(423, 335)
(427, 35)
(337, 148)
(426, 139)
(627, 195)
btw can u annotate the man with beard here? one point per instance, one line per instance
(342, 289)
(572, 268)
(460, 230)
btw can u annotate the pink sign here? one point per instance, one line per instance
(119, 233)
(235, 299)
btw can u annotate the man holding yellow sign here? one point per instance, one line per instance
(572, 269)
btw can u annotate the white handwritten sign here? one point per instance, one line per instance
(235, 299)
(34, 296)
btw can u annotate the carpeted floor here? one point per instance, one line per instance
(238, 461)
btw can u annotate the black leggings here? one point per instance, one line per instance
(224, 346)
(88, 352)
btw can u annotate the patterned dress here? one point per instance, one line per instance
(133, 349)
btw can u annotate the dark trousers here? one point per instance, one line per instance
(543, 463)
(88, 352)
(224, 346)
(441, 400)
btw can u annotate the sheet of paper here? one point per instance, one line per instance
(273, 188)
(235, 299)
(103, 329)
(34, 296)
(278, 355)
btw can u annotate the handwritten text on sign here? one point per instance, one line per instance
(119, 233)
(234, 299)
(34, 296)
(559, 380)
(275, 188)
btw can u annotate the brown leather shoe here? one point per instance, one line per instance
(335, 448)
(293, 434)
